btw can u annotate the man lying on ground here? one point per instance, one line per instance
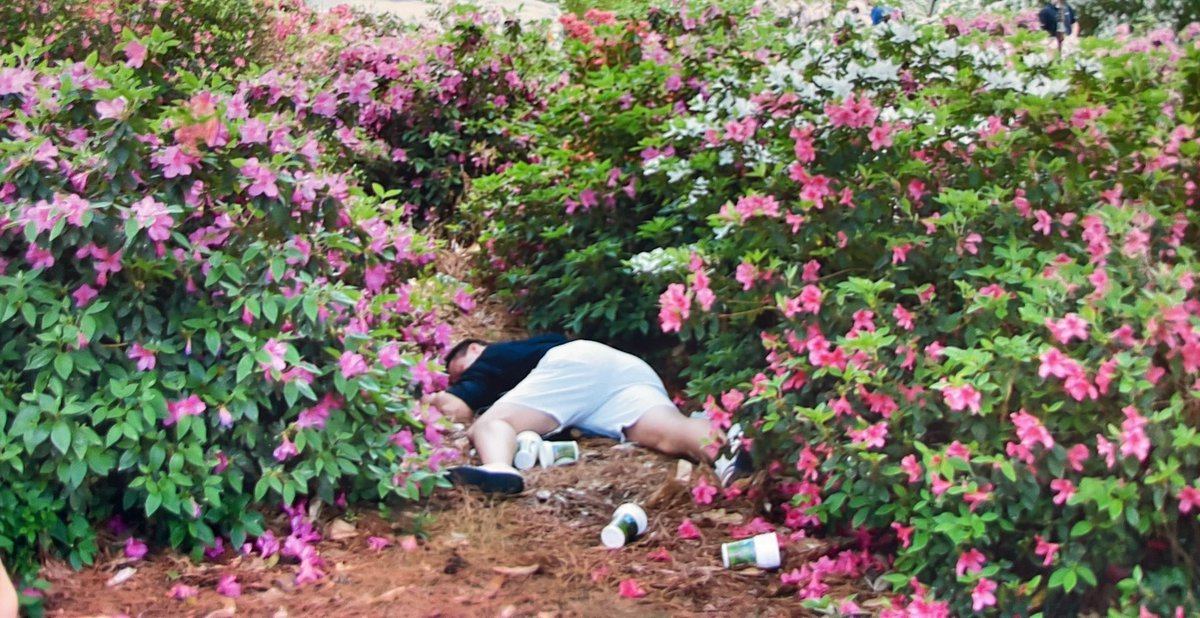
(547, 384)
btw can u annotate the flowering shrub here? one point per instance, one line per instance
(200, 311)
(947, 279)
(210, 34)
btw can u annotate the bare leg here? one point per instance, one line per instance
(666, 429)
(495, 433)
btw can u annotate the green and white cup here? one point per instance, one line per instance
(761, 551)
(628, 523)
(558, 453)
(529, 444)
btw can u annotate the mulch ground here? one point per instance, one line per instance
(536, 554)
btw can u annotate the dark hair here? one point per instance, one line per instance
(460, 349)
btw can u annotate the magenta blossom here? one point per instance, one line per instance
(228, 586)
(378, 543)
(191, 406)
(983, 595)
(183, 591)
(960, 398)
(146, 360)
(703, 493)
(353, 364)
(111, 110)
(84, 295)
(262, 179)
(285, 451)
(136, 53)
(135, 549)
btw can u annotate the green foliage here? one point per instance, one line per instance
(200, 311)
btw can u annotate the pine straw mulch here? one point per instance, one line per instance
(537, 554)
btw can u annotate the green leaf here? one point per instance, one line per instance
(153, 501)
(1081, 528)
(245, 366)
(63, 365)
(60, 436)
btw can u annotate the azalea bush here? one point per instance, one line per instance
(202, 310)
(211, 34)
(946, 279)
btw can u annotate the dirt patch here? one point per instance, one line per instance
(537, 554)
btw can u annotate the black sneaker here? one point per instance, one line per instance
(488, 481)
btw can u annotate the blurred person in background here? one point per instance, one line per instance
(1058, 20)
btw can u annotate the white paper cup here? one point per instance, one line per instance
(558, 453)
(628, 523)
(761, 551)
(528, 445)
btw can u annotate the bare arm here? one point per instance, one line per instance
(451, 406)
(8, 596)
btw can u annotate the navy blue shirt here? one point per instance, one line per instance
(1049, 18)
(499, 368)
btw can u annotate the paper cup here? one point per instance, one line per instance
(528, 445)
(628, 523)
(558, 453)
(761, 551)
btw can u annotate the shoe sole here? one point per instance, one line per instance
(486, 480)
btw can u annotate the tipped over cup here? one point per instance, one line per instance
(558, 453)
(628, 523)
(761, 551)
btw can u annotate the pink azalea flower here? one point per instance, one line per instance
(703, 493)
(1076, 456)
(352, 365)
(911, 467)
(874, 436)
(880, 136)
(275, 351)
(1134, 440)
(110, 110)
(971, 561)
(84, 295)
(1031, 431)
(285, 451)
(464, 300)
(630, 589)
(1046, 550)
(1071, 326)
(675, 304)
(136, 54)
(378, 543)
(228, 586)
(1064, 488)
(1189, 498)
(688, 530)
(183, 591)
(659, 555)
(190, 406)
(960, 398)
(983, 595)
(38, 257)
(408, 543)
(939, 485)
(135, 549)
(261, 177)
(747, 273)
(903, 533)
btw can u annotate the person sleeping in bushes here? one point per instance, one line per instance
(548, 384)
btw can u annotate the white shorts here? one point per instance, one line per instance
(590, 386)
